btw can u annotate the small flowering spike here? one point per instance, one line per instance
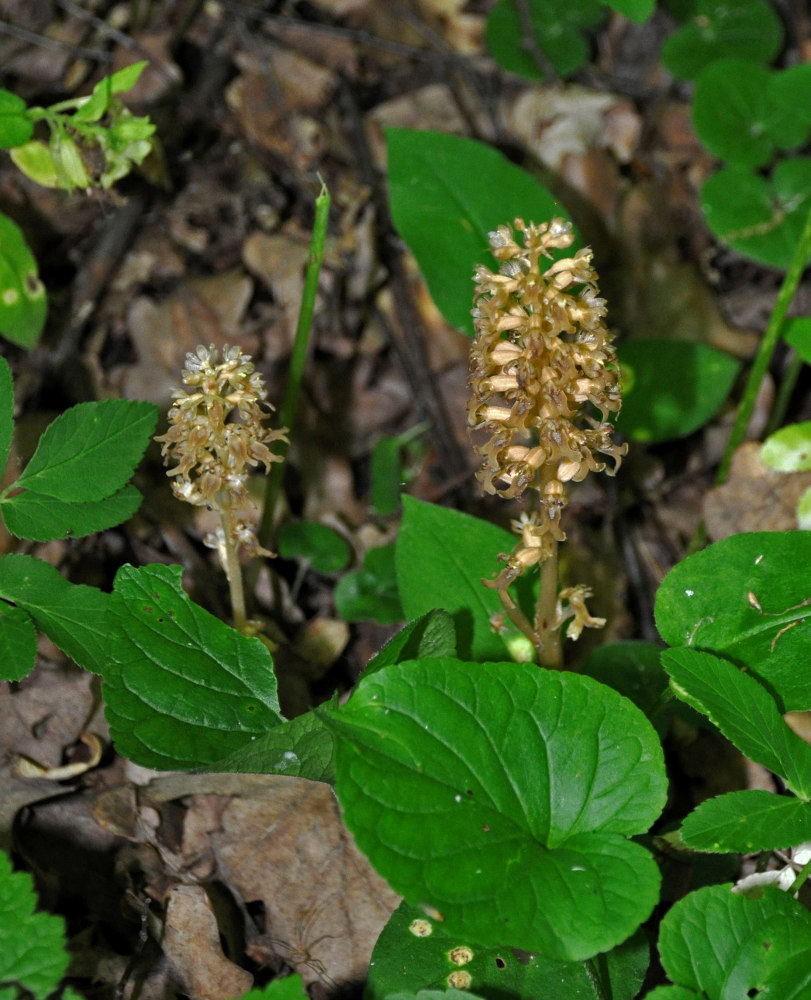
(541, 367)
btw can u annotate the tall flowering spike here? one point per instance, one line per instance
(545, 379)
(216, 433)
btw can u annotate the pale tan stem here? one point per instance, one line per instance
(229, 553)
(546, 638)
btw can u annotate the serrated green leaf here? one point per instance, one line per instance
(431, 635)
(41, 518)
(317, 544)
(23, 302)
(32, 944)
(724, 945)
(671, 387)
(557, 27)
(303, 747)
(789, 449)
(797, 332)
(370, 593)
(717, 29)
(405, 961)
(502, 795)
(71, 615)
(442, 556)
(747, 822)
(743, 710)
(759, 218)
(91, 450)
(18, 643)
(736, 118)
(747, 598)
(15, 127)
(6, 413)
(447, 193)
(182, 688)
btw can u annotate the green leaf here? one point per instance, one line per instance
(431, 635)
(789, 449)
(304, 747)
(634, 669)
(726, 945)
(405, 959)
(736, 118)
(673, 993)
(18, 643)
(798, 332)
(387, 476)
(98, 102)
(15, 127)
(758, 218)
(287, 988)
(449, 994)
(32, 944)
(447, 193)
(23, 302)
(791, 88)
(743, 710)
(182, 688)
(71, 615)
(35, 159)
(442, 557)
(502, 795)
(320, 546)
(557, 27)
(41, 518)
(746, 598)
(671, 387)
(746, 29)
(370, 593)
(91, 450)
(634, 10)
(6, 413)
(747, 822)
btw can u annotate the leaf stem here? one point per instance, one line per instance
(289, 405)
(229, 555)
(802, 253)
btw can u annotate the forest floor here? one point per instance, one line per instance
(207, 245)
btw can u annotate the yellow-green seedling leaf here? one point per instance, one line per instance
(737, 119)
(502, 797)
(442, 557)
(6, 413)
(32, 944)
(96, 105)
(370, 593)
(671, 387)
(71, 615)
(797, 331)
(35, 159)
(634, 10)
(760, 218)
(747, 598)
(415, 951)
(747, 822)
(789, 449)
(18, 643)
(41, 518)
(303, 747)
(744, 711)
(91, 450)
(724, 944)
(717, 29)
(557, 28)
(287, 988)
(431, 635)
(804, 511)
(447, 193)
(23, 302)
(15, 126)
(316, 544)
(69, 163)
(182, 688)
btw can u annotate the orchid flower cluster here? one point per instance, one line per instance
(542, 367)
(216, 436)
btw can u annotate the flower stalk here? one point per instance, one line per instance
(542, 367)
(217, 437)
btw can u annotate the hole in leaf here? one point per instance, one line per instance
(500, 963)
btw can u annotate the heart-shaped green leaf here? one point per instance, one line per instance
(502, 796)
(747, 598)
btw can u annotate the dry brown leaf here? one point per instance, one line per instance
(755, 497)
(279, 262)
